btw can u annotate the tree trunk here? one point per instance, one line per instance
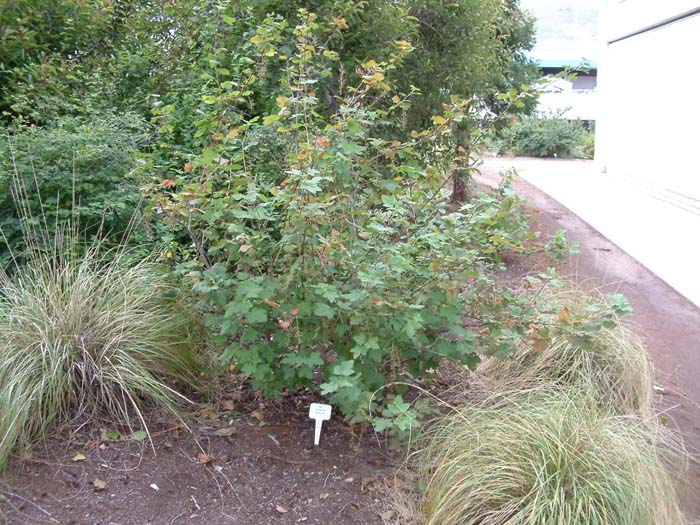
(459, 186)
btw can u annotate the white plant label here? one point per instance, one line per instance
(320, 413)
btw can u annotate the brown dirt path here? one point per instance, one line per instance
(669, 323)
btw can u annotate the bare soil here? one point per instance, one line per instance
(265, 470)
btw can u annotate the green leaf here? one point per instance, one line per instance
(344, 368)
(323, 310)
(139, 435)
(257, 315)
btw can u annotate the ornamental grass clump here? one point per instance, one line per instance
(548, 457)
(83, 334)
(613, 364)
(605, 357)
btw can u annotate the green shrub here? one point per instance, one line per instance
(612, 362)
(84, 334)
(74, 169)
(588, 150)
(340, 264)
(548, 457)
(547, 137)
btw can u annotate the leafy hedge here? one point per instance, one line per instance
(550, 137)
(77, 169)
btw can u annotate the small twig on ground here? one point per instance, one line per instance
(41, 509)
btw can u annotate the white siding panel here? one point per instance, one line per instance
(627, 16)
(649, 125)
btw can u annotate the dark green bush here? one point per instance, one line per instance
(75, 169)
(548, 137)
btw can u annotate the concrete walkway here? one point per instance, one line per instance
(659, 229)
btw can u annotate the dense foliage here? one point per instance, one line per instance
(73, 169)
(547, 136)
(296, 167)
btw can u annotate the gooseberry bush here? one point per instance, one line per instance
(323, 250)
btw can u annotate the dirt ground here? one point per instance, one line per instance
(254, 469)
(259, 466)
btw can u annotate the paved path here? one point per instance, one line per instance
(659, 228)
(668, 322)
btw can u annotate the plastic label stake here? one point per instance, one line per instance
(320, 413)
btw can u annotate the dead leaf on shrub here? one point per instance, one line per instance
(284, 324)
(272, 303)
(564, 315)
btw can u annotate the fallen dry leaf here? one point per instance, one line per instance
(272, 303)
(99, 484)
(79, 457)
(281, 509)
(225, 432)
(204, 458)
(228, 405)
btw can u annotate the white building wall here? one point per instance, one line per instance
(649, 121)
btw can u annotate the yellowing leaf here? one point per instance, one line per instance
(269, 119)
(233, 133)
(256, 40)
(564, 316)
(340, 22)
(439, 121)
(79, 457)
(281, 101)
